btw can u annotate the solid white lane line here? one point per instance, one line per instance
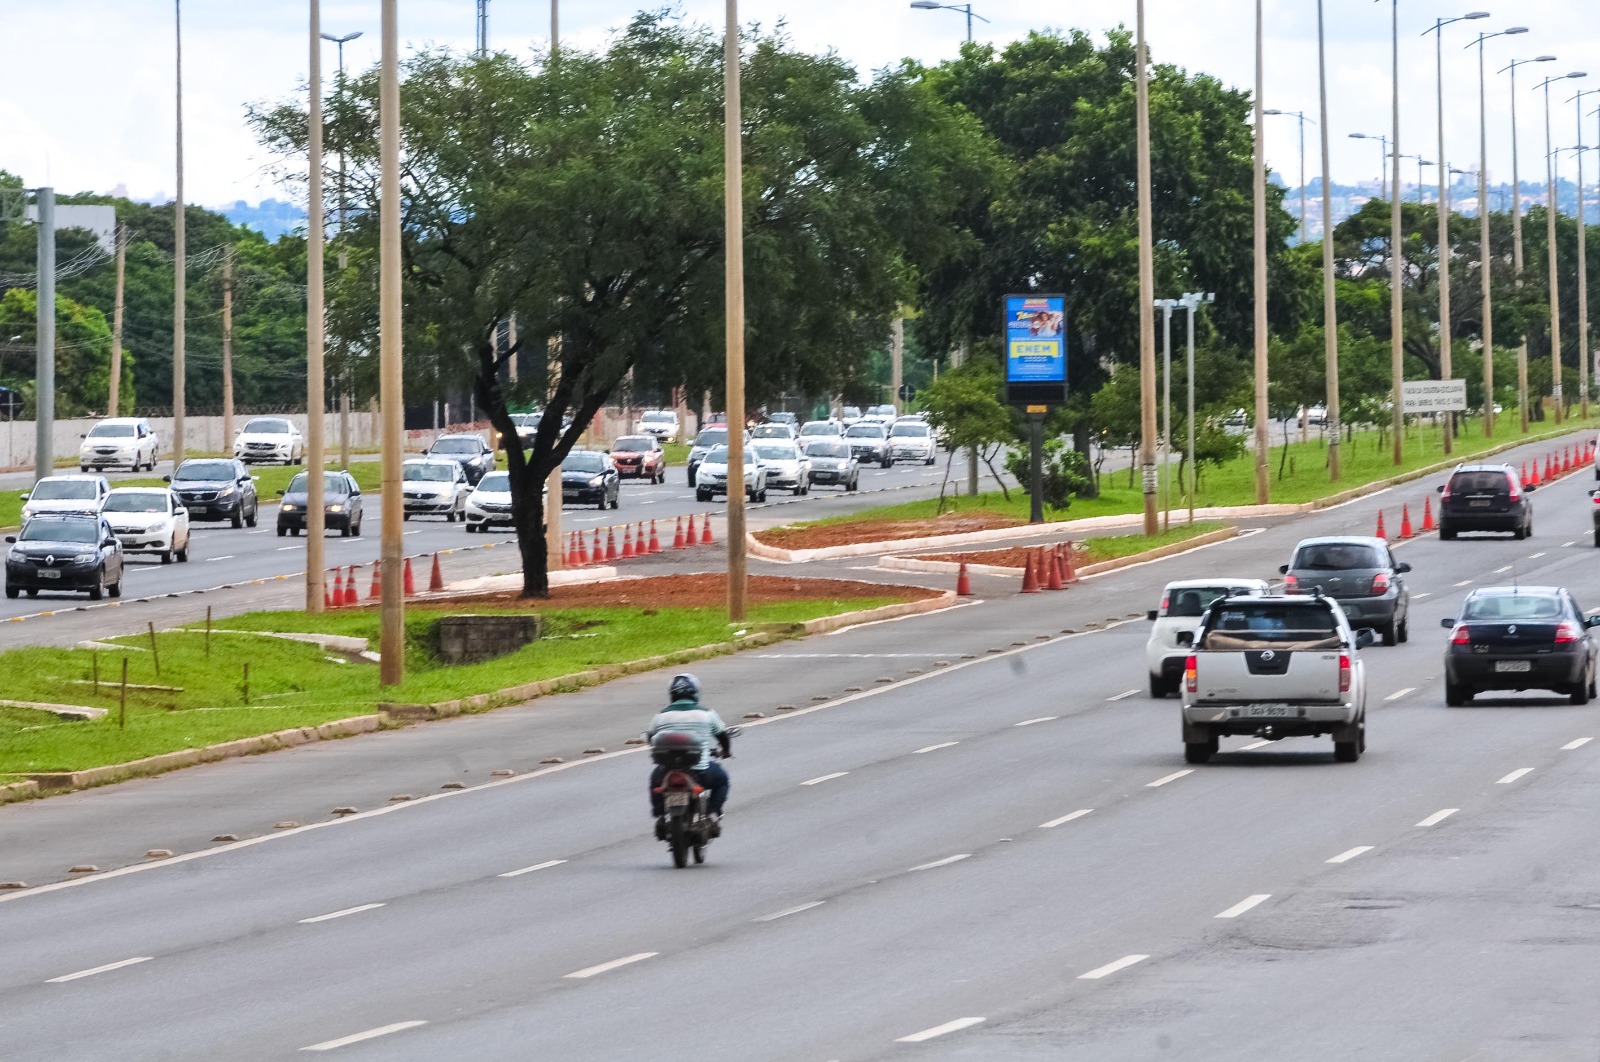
(939, 1030)
(1503, 570)
(370, 1034)
(98, 970)
(825, 778)
(1397, 694)
(1173, 777)
(340, 914)
(946, 861)
(1578, 744)
(1345, 857)
(787, 911)
(1125, 694)
(1438, 817)
(1053, 823)
(931, 748)
(605, 967)
(1514, 775)
(1256, 745)
(1464, 582)
(1244, 905)
(1041, 719)
(1112, 967)
(546, 865)
(1535, 556)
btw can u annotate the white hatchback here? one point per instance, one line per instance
(119, 441)
(148, 520)
(270, 439)
(65, 494)
(912, 440)
(1182, 604)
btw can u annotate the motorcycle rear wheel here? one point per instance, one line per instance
(679, 843)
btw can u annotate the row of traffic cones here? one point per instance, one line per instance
(1556, 464)
(579, 553)
(1048, 568)
(341, 591)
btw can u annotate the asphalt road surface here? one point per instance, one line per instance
(996, 853)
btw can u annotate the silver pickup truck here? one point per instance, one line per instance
(1275, 667)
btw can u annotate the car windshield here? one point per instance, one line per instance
(1477, 482)
(1194, 600)
(770, 431)
(429, 472)
(635, 444)
(525, 420)
(711, 437)
(864, 431)
(459, 445)
(585, 461)
(136, 501)
(819, 427)
(827, 449)
(776, 453)
(1269, 625)
(47, 530)
(109, 431)
(849, 412)
(1337, 557)
(659, 417)
(496, 483)
(1512, 607)
(64, 490)
(719, 456)
(913, 430)
(205, 471)
(331, 484)
(268, 426)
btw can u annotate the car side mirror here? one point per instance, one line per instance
(1283, 569)
(281, 493)
(1592, 621)
(11, 538)
(1448, 622)
(1152, 614)
(1439, 489)
(83, 436)
(166, 479)
(1366, 636)
(1402, 568)
(25, 495)
(1186, 638)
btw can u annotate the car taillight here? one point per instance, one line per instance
(1191, 675)
(1380, 584)
(1444, 495)
(1459, 636)
(1566, 632)
(1163, 603)
(1290, 584)
(1344, 672)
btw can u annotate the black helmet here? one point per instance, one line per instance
(684, 688)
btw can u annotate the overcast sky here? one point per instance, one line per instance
(86, 87)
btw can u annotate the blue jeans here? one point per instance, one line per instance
(713, 777)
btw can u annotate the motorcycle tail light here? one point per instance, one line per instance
(1191, 675)
(1380, 584)
(1566, 631)
(1460, 635)
(1344, 672)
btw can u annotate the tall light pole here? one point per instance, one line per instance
(1516, 231)
(1552, 208)
(482, 45)
(1191, 301)
(315, 325)
(733, 324)
(44, 354)
(1397, 321)
(1421, 164)
(344, 368)
(1166, 306)
(933, 5)
(1301, 115)
(1383, 168)
(1261, 268)
(392, 635)
(1147, 284)
(1330, 307)
(1585, 354)
(180, 252)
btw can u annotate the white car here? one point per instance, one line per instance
(489, 504)
(880, 414)
(148, 520)
(1182, 603)
(269, 439)
(813, 430)
(912, 440)
(773, 430)
(662, 423)
(788, 467)
(434, 488)
(119, 441)
(711, 478)
(65, 494)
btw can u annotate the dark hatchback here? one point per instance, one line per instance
(467, 450)
(71, 552)
(341, 505)
(1361, 574)
(1485, 498)
(1519, 638)
(216, 489)
(589, 478)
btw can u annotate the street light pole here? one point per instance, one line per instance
(1330, 308)
(392, 644)
(1301, 116)
(315, 324)
(733, 223)
(1383, 167)
(934, 5)
(1516, 232)
(1166, 306)
(344, 368)
(1552, 207)
(1147, 339)
(180, 251)
(1585, 354)
(1191, 301)
(1397, 321)
(1261, 269)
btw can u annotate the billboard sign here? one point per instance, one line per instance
(1035, 330)
(1433, 396)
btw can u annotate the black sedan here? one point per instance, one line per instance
(1519, 638)
(72, 552)
(466, 449)
(216, 489)
(589, 478)
(341, 505)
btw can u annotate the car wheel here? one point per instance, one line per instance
(13, 591)
(238, 517)
(166, 556)
(1456, 695)
(1403, 628)
(282, 531)
(356, 530)
(183, 554)
(886, 463)
(1449, 536)
(1200, 751)
(798, 490)
(1348, 751)
(85, 469)
(405, 518)
(115, 589)
(1580, 693)
(1158, 687)
(98, 590)
(617, 501)
(705, 496)
(250, 521)
(1388, 633)
(1519, 534)
(853, 485)
(344, 532)
(33, 591)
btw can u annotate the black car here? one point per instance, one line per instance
(1485, 498)
(475, 458)
(73, 552)
(341, 505)
(589, 478)
(1519, 638)
(216, 488)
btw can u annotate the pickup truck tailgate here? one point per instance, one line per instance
(1295, 676)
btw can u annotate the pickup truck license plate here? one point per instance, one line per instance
(677, 800)
(1273, 711)
(1513, 665)
(49, 573)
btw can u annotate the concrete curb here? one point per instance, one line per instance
(917, 564)
(72, 712)
(18, 791)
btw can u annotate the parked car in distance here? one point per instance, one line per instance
(1485, 498)
(788, 467)
(640, 457)
(216, 488)
(1519, 638)
(1361, 574)
(913, 441)
(709, 438)
(341, 504)
(432, 487)
(64, 494)
(489, 504)
(714, 472)
(148, 520)
(869, 441)
(74, 552)
(662, 423)
(270, 439)
(589, 478)
(833, 463)
(1183, 602)
(119, 441)
(466, 449)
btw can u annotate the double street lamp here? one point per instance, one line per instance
(1551, 208)
(934, 5)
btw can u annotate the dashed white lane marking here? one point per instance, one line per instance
(1173, 777)
(1419, 597)
(931, 748)
(1535, 556)
(946, 861)
(228, 557)
(1345, 857)
(939, 1030)
(1244, 905)
(1256, 745)
(1566, 544)
(825, 778)
(1578, 744)
(1053, 823)
(1464, 582)
(546, 865)
(1502, 570)
(1123, 695)
(340, 914)
(1041, 719)
(1514, 775)
(1438, 817)
(787, 911)
(285, 549)
(108, 967)
(1397, 694)
(1111, 967)
(370, 1034)
(605, 967)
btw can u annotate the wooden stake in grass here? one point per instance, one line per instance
(122, 709)
(247, 682)
(154, 656)
(208, 632)
(94, 657)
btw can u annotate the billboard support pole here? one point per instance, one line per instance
(1036, 468)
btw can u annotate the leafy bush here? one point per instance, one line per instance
(1066, 473)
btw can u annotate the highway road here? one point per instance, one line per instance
(973, 837)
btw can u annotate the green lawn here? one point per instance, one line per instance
(293, 684)
(1114, 547)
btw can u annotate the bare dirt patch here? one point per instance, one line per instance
(843, 534)
(696, 591)
(1010, 557)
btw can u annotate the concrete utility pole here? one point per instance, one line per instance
(1262, 483)
(1330, 307)
(114, 400)
(1397, 324)
(483, 28)
(1147, 285)
(1485, 255)
(316, 401)
(392, 641)
(1585, 353)
(44, 383)
(1552, 209)
(555, 27)
(1516, 233)
(227, 347)
(733, 220)
(897, 354)
(344, 261)
(180, 252)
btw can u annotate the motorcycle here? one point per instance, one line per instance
(686, 823)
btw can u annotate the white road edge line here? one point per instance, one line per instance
(1111, 967)
(1438, 817)
(1345, 857)
(1397, 694)
(108, 967)
(1578, 744)
(340, 914)
(370, 1034)
(787, 911)
(825, 778)
(1514, 775)
(939, 1030)
(605, 967)
(1041, 719)
(1173, 777)
(1244, 905)
(931, 748)
(1123, 695)
(546, 865)
(946, 861)
(1053, 823)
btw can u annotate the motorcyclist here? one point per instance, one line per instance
(686, 715)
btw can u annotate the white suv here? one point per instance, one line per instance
(270, 439)
(118, 441)
(1182, 604)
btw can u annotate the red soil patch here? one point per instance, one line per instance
(694, 591)
(1010, 557)
(844, 534)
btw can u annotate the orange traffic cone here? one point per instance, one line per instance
(436, 576)
(1030, 585)
(327, 593)
(689, 537)
(375, 591)
(350, 595)
(1533, 481)
(655, 543)
(705, 530)
(627, 542)
(1381, 533)
(598, 552)
(1053, 564)
(1068, 575)
(677, 535)
(1405, 522)
(611, 544)
(1427, 515)
(1566, 459)
(963, 582)
(583, 548)
(571, 559)
(1524, 472)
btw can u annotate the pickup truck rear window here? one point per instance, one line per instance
(1337, 557)
(1272, 627)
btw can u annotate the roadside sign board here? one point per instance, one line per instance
(1433, 396)
(1035, 328)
